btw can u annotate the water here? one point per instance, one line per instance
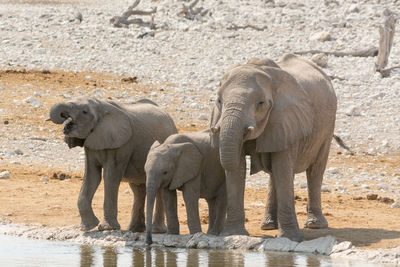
(16, 251)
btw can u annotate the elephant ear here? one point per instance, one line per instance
(188, 164)
(113, 128)
(291, 117)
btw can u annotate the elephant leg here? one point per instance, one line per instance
(137, 223)
(91, 181)
(315, 173)
(171, 211)
(112, 179)
(283, 173)
(159, 218)
(191, 195)
(211, 215)
(220, 210)
(235, 182)
(270, 220)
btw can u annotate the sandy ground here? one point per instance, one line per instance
(29, 199)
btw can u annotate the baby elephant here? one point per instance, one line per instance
(117, 140)
(186, 162)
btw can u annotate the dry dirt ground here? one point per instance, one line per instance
(25, 198)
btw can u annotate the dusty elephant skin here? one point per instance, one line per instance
(283, 115)
(186, 162)
(116, 140)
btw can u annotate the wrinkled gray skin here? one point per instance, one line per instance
(186, 162)
(283, 115)
(116, 140)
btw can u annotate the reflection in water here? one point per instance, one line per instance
(19, 251)
(87, 256)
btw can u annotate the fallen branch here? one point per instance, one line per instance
(190, 13)
(370, 52)
(236, 27)
(124, 21)
(386, 34)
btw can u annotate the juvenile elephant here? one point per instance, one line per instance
(283, 115)
(186, 162)
(116, 140)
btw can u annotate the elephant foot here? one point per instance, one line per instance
(213, 232)
(316, 222)
(104, 226)
(173, 231)
(268, 223)
(89, 224)
(234, 230)
(294, 235)
(138, 228)
(159, 228)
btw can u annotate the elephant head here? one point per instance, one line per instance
(168, 166)
(259, 101)
(92, 123)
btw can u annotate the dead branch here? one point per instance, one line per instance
(386, 33)
(370, 52)
(189, 12)
(236, 27)
(124, 21)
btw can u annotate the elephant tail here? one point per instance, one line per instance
(341, 143)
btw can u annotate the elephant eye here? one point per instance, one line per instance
(261, 103)
(84, 112)
(165, 173)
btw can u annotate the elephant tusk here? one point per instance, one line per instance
(250, 129)
(67, 121)
(215, 129)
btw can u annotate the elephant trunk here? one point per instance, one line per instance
(151, 196)
(60, 112)
(231, 139)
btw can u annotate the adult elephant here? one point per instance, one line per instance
(283, 115)
(117, 140)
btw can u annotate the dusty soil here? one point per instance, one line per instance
(28, 198)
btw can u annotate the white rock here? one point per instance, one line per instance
(354, 8)
(194, 106)
(364, 186)
(278, 244)
(97, 92)
(2, 111)
(37, 94)
(36, 103)
(321, 36)
(44, 179)
(127, 191)
(322, 245)
(242, 242)
(18, 152)
(342, 246)
(5, 175)
(325, 188)
(203, 117)
(353, 111)
(395, 205)
(382, 186)
(320, 59)
(333, 170)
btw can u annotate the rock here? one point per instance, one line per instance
(2, 88)
(36, 103)
(44, 179)
(326, 189)
(342, 246)
(242, 242)
(303, 185)
(382, 186)
(203, 117)
(395, 205)
(353, 111)
(364, 186)
(175, 240)
(321, 36)
(127, 191)
(18, 152)
(194, 106)
(322, 245)
(97, 92)
(354, 8)
(282, 244)
(333, 170)
(5, 175)
(320, 59)
(2, 111)
(37, 94)
(78, 16)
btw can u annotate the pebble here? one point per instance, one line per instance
(5, 175)
(44, 180)
(353, 111)
(320, 36)
(325, 188)
(203, 117)
(320, 59)
(36, 103)
(382, 186)
(395, 205)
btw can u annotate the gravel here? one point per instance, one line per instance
(191, 57)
